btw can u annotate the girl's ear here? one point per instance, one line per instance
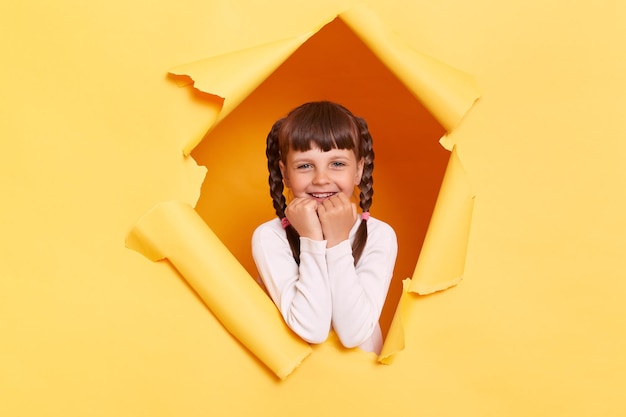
(359, 171)
(283, 172)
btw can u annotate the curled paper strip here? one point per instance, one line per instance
(442, 260)
(445, 91)
(174, 231)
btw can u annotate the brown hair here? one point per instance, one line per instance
(328, 126)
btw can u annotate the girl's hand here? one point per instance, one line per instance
(302, 214)
(337, 216)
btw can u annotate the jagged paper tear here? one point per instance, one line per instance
(175, 231)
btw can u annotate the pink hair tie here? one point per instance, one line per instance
(284, 222)
(365, 215)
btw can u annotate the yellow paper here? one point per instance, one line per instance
(445, 91)
(395, 337)
(174, 231)
(442, 259)
(237, 74)
(92, 131)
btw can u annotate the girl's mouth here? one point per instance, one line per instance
(322, 196)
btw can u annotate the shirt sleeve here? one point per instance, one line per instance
(359, 293)
(302, 294)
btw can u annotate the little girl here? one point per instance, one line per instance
(323, 264)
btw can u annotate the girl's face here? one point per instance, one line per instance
(319, 175)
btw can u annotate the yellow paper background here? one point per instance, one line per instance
(92, 131)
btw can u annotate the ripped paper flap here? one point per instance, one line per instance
(174, 231)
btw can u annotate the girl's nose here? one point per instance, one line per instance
(321, 177)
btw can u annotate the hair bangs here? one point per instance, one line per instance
(320, 124)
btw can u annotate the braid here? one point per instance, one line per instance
(367, 181)
(275, 180)
(365, 187)
(272, 152)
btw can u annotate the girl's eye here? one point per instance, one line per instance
(338, 164)
(303, 166)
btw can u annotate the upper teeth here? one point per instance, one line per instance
(322, 195)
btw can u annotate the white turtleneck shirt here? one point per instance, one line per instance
(327, 291)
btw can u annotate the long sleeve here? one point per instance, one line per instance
(327, 290)
(302, 293)
(359, 293)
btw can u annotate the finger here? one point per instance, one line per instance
(310, 204)
(343, 201)
(328, 203)
(297, 202)
(342, 198)
(321, 211)
(300, 204)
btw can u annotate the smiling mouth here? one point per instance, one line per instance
(322, 196)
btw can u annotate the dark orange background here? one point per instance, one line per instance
(332, 65)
